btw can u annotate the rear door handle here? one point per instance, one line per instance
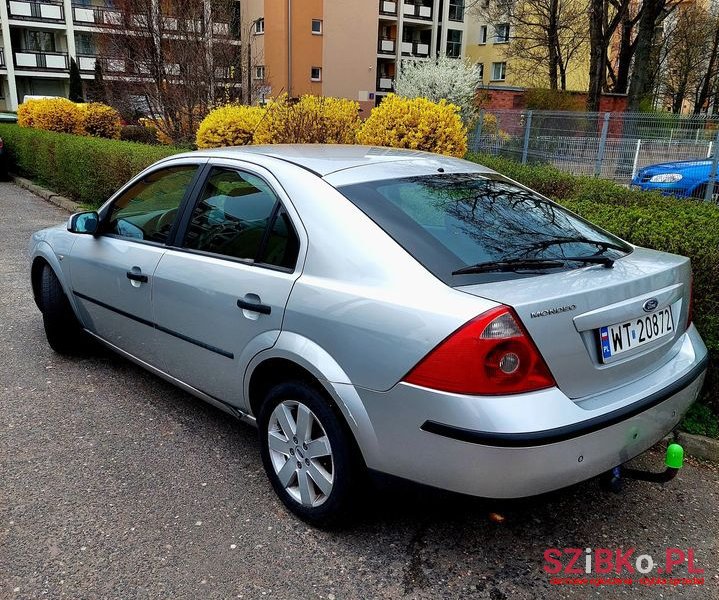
(137, 277)
(263, 309)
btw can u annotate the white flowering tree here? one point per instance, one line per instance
(453, 79)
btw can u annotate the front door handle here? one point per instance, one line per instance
(263, 309)
(131, 275)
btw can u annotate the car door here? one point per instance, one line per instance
(111, 273)
(220, 295)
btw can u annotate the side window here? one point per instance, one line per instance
(239, 216)
(148, 209)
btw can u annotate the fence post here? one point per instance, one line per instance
(476, 141)
(713, 175)
(527, 128)
(636, 158)
(602, 145)
(709, 149)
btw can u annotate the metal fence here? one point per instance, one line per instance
(609, 145)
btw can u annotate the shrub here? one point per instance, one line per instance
(676, 225)
(100, 120)
(415, 123)
(311, 119)
(229, 125)
(86, 169)
(138, 133)
(52, 114)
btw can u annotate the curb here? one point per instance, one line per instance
(45, 194)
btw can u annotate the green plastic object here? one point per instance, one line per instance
(675, 456)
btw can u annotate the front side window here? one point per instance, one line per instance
(451, 221)
(148, 209)
(239, 216)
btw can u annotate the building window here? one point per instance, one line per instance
(260, 72)
(316, 26)
(501, 33)
(316, 74)
(480, 72)
(456, 10)
(84, 44)
(454, 43)
(259, 26)
(483, 34)
(499, 71)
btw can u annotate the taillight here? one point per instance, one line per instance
(490, 355)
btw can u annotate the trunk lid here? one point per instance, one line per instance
(564, 313)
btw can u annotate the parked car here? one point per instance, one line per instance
(384, 310)
(684, 178)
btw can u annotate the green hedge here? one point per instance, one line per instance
(85, 169)
(681, 226)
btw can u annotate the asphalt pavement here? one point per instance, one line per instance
(114, 484)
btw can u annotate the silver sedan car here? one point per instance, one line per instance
(381, 310)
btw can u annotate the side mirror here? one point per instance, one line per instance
(84, 222)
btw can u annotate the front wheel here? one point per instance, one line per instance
(62, 329)
(307, 454)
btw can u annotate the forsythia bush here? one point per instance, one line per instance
(312, 119)
(100, 120)
(52, 114)
(415, 123)
(230, 125)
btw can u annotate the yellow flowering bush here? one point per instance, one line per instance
(52, 114)
(415, 123)
(100, 120)
(229, 125)
(311, 119)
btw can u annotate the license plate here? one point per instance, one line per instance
(622, 337)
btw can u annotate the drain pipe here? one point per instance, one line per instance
(289, 48)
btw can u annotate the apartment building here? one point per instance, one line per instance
(39, 37)
(349, 48)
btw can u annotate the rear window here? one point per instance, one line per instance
(451, 221)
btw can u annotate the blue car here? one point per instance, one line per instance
(684, 178)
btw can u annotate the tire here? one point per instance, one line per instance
(62, 329)
(319, 489)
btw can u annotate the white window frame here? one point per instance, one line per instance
(482, 34)
(260, 72)
(502, 67)
(321, 30)
(505, 38)
(259, 26)
(319, 77)
(480, 72)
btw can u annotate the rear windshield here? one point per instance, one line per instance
(451, 221)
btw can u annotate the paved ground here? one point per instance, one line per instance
(113, 484)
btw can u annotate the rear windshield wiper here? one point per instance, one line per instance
(518, 264)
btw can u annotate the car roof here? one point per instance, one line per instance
(323, 159)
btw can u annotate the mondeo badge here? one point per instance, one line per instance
(650, 304)
(552, 311)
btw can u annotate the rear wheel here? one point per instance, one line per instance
(307, 454)
(62, 329)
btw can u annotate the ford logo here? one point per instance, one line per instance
(650, 305)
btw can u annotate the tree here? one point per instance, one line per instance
(546, 36)
(75, 83)
(96, 91)
(604, 18)
(180, 59)
(453, 79)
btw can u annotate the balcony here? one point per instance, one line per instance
(387, 8)
(97, 15)
(2, 58)
(48, 11)
(417, 11)
(86, 62)
(386, 46)
(44, 61)
(384, 84)
(415, 49)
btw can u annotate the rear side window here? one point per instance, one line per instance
(239, 216)
(451, 221)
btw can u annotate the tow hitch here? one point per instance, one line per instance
(673, 461)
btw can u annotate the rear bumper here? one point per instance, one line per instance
(488, 446)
